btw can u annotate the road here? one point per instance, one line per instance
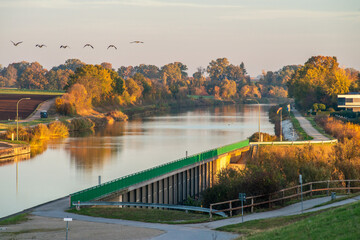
(44, 106)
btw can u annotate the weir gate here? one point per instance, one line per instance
(170, 183)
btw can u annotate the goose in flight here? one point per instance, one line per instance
(89, 45)
(40, 46)
(15, 44)
(64, 46)
(112, 46)
(136, 42)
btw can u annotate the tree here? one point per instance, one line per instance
(107, 65)
(228, 88)
(242, 67)
(217, 69)
(58, 79)
(149, 71)
(133, 89)
(96, 80)
(70, 64)
(319, 80)
(126, 72)
(33, 77)
(173, 72)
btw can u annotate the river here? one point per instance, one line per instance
(75, 163)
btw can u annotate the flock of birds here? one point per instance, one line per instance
(66, 46)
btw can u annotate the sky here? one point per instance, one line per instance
(264, 34)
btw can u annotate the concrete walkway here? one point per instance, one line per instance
(44, 106)
(189, 231)
(308, 128)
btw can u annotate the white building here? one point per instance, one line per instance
(350, 101)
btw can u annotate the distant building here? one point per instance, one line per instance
(350, 101)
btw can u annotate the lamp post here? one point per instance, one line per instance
(259, 114)
(17, 117)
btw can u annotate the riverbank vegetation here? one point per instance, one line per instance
(277, 167)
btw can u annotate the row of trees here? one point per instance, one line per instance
(320, 80)
(224, 80)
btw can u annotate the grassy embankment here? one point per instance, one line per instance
(30, 91)
(300, 131)
(145, 215)
(19, 218)
(339, 223)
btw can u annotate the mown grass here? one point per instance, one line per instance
(303, 135)
(23, 217)
(30, 91)
(338, 199)
(144, 215)
(335, 223)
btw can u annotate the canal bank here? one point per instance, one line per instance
(9, 150)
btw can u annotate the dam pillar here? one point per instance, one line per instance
(149, 193)
(175, 184)
(166, 190)
(143, 194)
(183, 186)
(188, 184)
(192, 182)
(132, 195)
(171, 189)
(196, 188)
(155, 192)
(161, 191)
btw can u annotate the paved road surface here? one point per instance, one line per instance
(43, 106)
(189, 231)
(308, 128)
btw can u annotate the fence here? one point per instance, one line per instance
(286, 194)
(129, 180)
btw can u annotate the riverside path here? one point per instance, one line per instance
(308, 128)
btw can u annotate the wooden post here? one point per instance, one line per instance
(210, 211)
(252, 205)
(298, 192)
(328, 184)
(348, 187)
(311, 190)
(270, 205)
(283, 195)
(230, 206)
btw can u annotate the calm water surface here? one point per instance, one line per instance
(75, 163)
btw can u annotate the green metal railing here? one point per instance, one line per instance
(129, 180)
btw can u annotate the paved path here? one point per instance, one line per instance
(308, 128)
(189, 231)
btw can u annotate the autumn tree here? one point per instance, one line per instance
(96, 80)
(33, 77)
(149, 71)
(228, 88)
(319, 80)
(70, 64)
(217, 68)
(58, 79)
(125, 72)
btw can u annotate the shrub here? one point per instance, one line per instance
(266, 137)
(58, 130)
(23, 133)
(78, 124)
(41, 132)
(118, 116)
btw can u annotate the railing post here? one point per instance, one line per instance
(270, 205)
(348, 186)
(311, 190)
(298, 192)
(283, 195)
(252, 205)
(328, 184)
(210, 211)
(230, 205)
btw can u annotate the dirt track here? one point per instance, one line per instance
(43, 228)
(26, 107)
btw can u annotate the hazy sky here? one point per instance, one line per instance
(264, 34)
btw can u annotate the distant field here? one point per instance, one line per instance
(29, 91)
(26, 107)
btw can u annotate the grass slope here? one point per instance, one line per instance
(143, 215)
(335, 223)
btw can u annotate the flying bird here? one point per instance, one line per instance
(136, 42)
(40, 46)
(64, 46)
(15, 44)
(89, 45)
(112, 46)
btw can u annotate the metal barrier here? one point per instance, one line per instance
(294, 142)
(152, 205)
(129, 180)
